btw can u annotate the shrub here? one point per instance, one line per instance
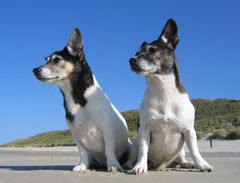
(219, 134)
(233, 135)
(200, 134)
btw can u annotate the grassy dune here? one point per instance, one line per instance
(48, 139)
(220, 117)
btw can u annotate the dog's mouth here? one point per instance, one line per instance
(51, 77)
(142, 70)
(139, 71)
(136, 69)
(139, 67)
(47, 79)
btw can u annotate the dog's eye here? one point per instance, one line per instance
(56, 60)
(151, 49)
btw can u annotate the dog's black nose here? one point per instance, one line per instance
(132, 61)
(36, 70)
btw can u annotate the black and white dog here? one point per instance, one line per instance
(98, 129)
(166, 113)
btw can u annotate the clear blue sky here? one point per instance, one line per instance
(208, 52)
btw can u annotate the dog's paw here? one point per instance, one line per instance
(79, 168)
(128, 166)
(187, 165)
(139, 169)
(114, 166)
(114, 169)
(205, 168)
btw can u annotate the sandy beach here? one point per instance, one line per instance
(54, 164)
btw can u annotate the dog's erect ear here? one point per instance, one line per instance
(169, 35)
(144, 43)
(75, 42)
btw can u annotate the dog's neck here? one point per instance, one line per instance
(164, 85)
(161, 84)
(70, 106)
(75, 89)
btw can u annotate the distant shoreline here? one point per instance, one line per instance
(219, 146)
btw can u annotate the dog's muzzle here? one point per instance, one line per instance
(134, 65)
(37, 70)
(133, 61)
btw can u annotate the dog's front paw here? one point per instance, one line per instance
(205, 167)
(139, 169)
(80, 168)
(128, 166)
(187, 165)
(114, 166)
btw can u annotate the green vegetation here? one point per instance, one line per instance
(131, 118)
(217, 114)
(220, 117)
(49, 139)
(200, 134)
(233, 135)
(219, 134)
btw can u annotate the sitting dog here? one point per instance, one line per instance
(98, 129)
(166, 113)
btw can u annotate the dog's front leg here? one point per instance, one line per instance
(84, 157)
(182, 161)
(143, 146)
(112, 162)
(191, 141)
(132, 157)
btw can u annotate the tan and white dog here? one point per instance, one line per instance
(98, 129)
(166, 112)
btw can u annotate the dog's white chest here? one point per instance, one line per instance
(86, 126)
(88, 134)
(166, 113)
(164, 124)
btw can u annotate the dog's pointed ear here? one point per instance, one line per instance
(75, 43)
(144, 43)
(169, 35)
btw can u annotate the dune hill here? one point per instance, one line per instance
(219, 117)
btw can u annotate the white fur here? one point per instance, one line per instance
(146, 66)
(167, 117)
(69, 49)
(47, 73)
(48, 59)
(164, 39)
(99, 130)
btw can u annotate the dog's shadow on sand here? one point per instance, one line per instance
(49, 167)
(70, 167)
(38, 167)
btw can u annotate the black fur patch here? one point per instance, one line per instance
(138, 123)
(69, 115)
(82, 76)
(80, 79)
(178, 82)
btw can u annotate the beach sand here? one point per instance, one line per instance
(54, 164)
